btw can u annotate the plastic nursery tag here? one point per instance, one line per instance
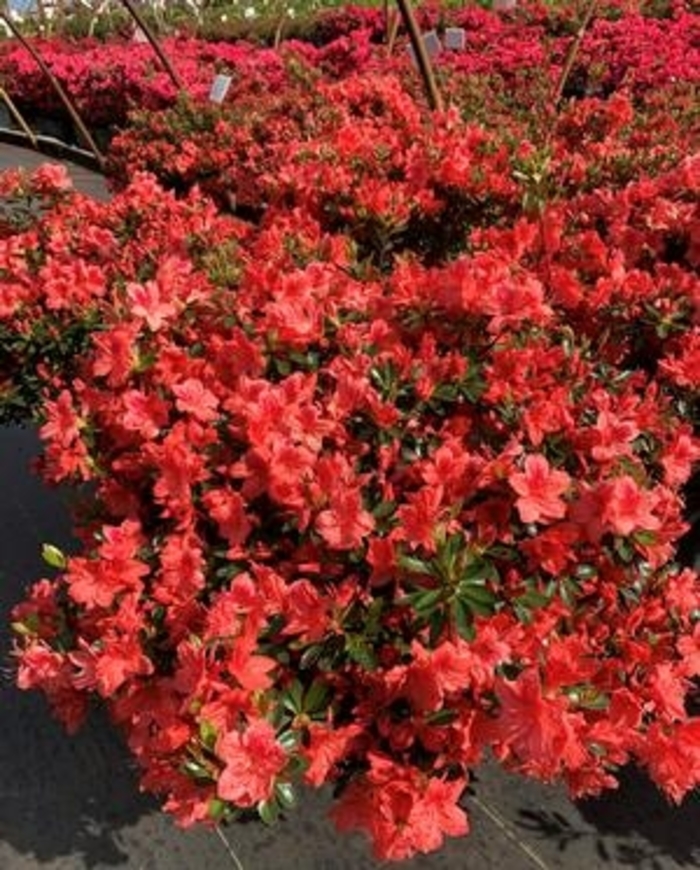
(219, 88)
(455, 38)
(504, 5)
(139, 36)
(432, 43)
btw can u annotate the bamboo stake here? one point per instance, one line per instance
(573, 52)
(279, 31)
(279, 12)
(424, 64)
(17, 115)
(155, 45)
(394, 21)
(58, 87)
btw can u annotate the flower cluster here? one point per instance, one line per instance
(336, 150)
(384, 473)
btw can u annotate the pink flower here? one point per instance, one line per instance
(253, 759)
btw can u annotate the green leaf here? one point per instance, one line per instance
(228, 572)
(533, 599)
(297, 766)
(452, 547)
(289, 740)
(373, 618)
(645, 538)
(476, 592)
(414, 565)
(196, 771)
(311, 656)
(53, 556)
(624, 550)
(286, 797)
(522, 613)
(479, 569)
(217, 809)
(441, 717)
(500, 551)
(464, 619)
(595, 701)
(268, 811)
(384, 509)
(317, 698)
(332, 651)
(568, 590)
(425, 601)
(444, 393)
(293, 697)
(208, 734)
(283, 367)
(438, 620)
(586, 572)
(360, 651)
(480, 599)
(630, 594)
(29, 626)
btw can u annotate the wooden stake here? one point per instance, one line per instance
(279, 31)
(394, 21)
(17, 115)
(573, 52)
(155, 45)
(424, 64)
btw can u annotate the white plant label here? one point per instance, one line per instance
(139, 36)
(432, 43)
(219, 88)
(455, 38)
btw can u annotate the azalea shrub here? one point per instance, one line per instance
(383, 428)
(105, 81)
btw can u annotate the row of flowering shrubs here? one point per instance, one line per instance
(108, 79)
(383, 420)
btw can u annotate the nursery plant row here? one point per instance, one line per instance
(107, 79)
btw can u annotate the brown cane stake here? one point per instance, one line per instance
(17, 115)
(573, 52)
(155, 45)
(394, 21)
(58, 87)
(279, 31)
(424, 65)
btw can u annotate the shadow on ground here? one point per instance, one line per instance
(58, 795)
(64, 796)
(634, 826)
(639, 811)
